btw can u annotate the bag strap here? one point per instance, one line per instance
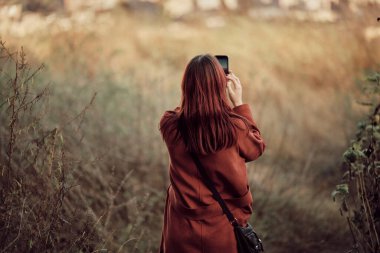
(208, 182)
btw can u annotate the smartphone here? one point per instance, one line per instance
(223, 60)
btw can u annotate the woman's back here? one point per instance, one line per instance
(224, 139)
(190, 203)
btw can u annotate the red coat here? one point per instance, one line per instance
(193, 220)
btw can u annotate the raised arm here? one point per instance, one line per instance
(250, 143)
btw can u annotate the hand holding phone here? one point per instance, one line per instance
(234, 89)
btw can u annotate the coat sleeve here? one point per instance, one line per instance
(250, 143)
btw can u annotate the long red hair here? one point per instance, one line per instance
(206, 117)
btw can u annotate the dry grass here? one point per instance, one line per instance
(298, 77)
(34, 168)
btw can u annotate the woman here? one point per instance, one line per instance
(224, 139)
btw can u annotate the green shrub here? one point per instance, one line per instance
(359, 191)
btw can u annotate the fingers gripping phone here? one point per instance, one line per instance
(223, 60)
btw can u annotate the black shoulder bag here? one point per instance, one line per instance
(246, 237)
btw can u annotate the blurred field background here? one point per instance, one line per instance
(113, 70)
